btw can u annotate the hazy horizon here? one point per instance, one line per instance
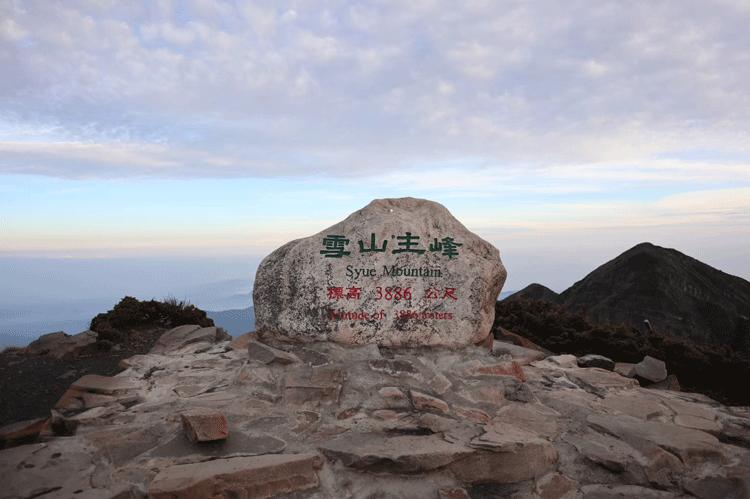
(47, 295)
(175, 140)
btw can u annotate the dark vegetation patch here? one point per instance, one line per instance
(132, 313)
(713, 370)
(31, 385)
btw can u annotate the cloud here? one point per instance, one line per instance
(213, 88)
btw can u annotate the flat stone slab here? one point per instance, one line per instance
(506, 454)
(607, 458)
(598, 381)
(319, 385)
(687, 444)
(522, 355)
(535, 418)
(259, 476)
(635, 403)
(118, 445)
(511, 368)
(237, 444)
(397, 454)
(598, 491)
(175, 339)
(106, 385)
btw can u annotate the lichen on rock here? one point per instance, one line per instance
(398, 272)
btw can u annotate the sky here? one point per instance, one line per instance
(200, 131)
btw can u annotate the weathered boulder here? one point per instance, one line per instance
(650, 370)
(60, 345)
(399, 272)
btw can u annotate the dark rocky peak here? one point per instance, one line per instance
(671, 290)
(536, 291)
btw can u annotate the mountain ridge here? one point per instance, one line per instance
(673, 291)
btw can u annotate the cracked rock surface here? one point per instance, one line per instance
(335, 421)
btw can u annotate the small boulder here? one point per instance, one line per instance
(650, 370)
(204, 425)
(599, 361)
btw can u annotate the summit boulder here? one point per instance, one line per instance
(398, 272)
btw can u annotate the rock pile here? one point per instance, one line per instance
(321, 420)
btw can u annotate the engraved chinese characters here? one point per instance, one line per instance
(399, 272)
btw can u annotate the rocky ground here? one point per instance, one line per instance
(326, 421)
(32, 384)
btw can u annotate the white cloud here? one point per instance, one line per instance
(370, 88)
(11, 31)
(719, 203)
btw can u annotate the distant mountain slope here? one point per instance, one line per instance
(674, 292)
(536, 292)
(235, 322)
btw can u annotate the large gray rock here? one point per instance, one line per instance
(399, 272)
(650, 370)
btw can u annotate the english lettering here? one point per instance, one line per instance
(353, 273)
(411, 272)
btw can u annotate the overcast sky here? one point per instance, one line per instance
(562, 132)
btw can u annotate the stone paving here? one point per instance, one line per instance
(330, 421)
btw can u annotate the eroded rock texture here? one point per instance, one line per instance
(332, 421)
